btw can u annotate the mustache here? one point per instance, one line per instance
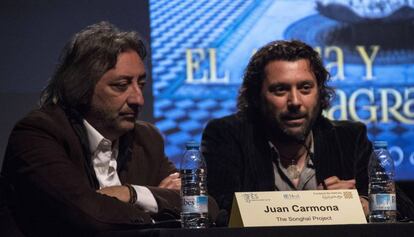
(132, 110)
(293, 115)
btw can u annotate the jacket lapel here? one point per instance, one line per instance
(325, 150)
(259, 162)
(125, 150)
(76, 121)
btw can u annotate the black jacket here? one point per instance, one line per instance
(239, 157)
(53, 184)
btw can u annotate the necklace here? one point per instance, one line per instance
(293, 171)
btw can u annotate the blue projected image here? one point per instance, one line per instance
(200, 49)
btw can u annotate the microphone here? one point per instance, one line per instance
(222, 219)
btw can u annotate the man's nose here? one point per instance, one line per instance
(294, 99)
(136, 96)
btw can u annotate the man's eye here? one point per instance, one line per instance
(307, 88)
(141, 84)
(120, 87)
(278, 90)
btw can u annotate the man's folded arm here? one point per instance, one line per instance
(39, 167)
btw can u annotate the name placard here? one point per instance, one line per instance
(283, 208)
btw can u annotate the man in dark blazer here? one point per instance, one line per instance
(82, 163)
(279, 139)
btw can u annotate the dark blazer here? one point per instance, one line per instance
(48, 166)
(239, 158)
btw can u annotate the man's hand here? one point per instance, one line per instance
(334, 182)
(365, 205)
(172, 181)
(119, 192)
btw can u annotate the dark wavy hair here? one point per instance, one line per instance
(85, 58)
(249, 98)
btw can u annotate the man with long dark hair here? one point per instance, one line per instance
(279, 139)
(82, 162)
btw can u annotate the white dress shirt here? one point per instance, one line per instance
(104, 156)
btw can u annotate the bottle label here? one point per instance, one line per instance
(383, 202)
(195, 204)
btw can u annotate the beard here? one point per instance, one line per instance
(280, 130)
(112, 122)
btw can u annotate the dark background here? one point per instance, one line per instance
(32, 36)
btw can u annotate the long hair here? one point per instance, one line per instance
(84, 60)
(249, 102)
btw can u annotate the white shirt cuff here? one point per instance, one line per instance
(145, 199)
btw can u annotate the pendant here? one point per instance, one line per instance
(293, 171)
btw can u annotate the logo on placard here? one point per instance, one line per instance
(333, 195)
(248, 197)
(290, 196)
(253, 197)
(348, 195)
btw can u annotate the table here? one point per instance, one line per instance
(355, 230)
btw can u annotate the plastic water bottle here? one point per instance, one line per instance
(382, 198)
(194, 213)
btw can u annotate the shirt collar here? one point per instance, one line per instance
(307, 179)
(311, 148)
(95, 138)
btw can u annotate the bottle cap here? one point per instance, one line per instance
(191, 145)
(380, 144)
